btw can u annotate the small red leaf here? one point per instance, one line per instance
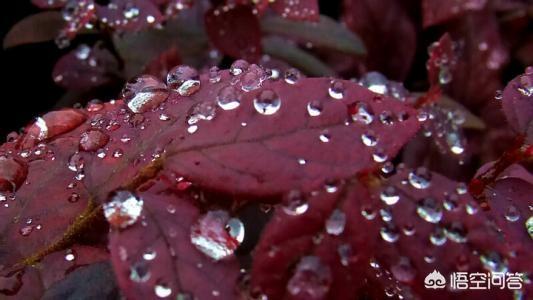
(157, 259)
(235, 31)
(41, 27)
(386, 31)
(517, 102)
(85, 68)
(439, 11)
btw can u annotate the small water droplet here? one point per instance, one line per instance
(493, 262)
(184, 79)
(429, 210)
(389, 233)
(292, 76)
(437, 237)
(390, 195)
(70, 255)
(149, 254)
(361, 112)
(205, 110)
(369, 139)
(314, 108)
(238, 67)
(512, 214)
(336, 89)
(336, 222)
(267, 102)
(456, 232)
(375, 82)
(529, 226)
(76, 162)
(294, 203)
(325, 137)
(139, 272)
(214, 74)
(93, 140)
(162, 290)
(420, 178)
(403, 270)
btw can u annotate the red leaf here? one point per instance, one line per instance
(442, 60)
(85, 68)
(250, 147)
(129, 15)
(32, 282)
(158, 258)
(440, 11)
(387, 32)
(234, 31)
(301, 10)
(413, 224)
(40, 27)
(161, 65)
(517, 102)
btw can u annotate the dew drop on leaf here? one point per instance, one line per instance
(123, 210)
(144, 93)
(403, 270)
(420, 178)
(139, 272)
(311, 279)
(389, 233)
(184, 79)
(529, 226)
(429, 210)
(361, 112)
(292, 76)
(456, 232)
(390, 195)
(162, 290)
(228, 98)
(336, 89)
(294, 203)
(267, 102)
(369, 139)
(375, 81)
(217, 235)
(93, 140)
(512, 214)
(336, 222)
(238, 67)
(314, 108)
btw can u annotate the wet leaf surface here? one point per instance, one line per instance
(41, 27)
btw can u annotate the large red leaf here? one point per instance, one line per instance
(407, 227)
(80, 156)
(387, 32)
(235, 31)
(156, 257)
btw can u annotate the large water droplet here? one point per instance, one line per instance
(294, 203)
(267, 102)
(420, 178)
(311, 279)
(252, 79)
(429, 209)
(184, 80)
(144, 93)
(228, 98)
(336, 222)
(123, 210)
(217, 235)
(92, 140)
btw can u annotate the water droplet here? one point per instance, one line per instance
(336, 89)
(144, 93)
(529, 226)
(456, 232)
(437, 237)
(368, 213)
(389, 233)
(131, 11)
(445, 76)
(149, 254)
(493, 262)
(73, 198)
(420, 178)
(214, 74)
(267, 102)
(164, 117)
(389, 195)
(184, 80)
(386, 118)
(325, 137)
(238, 67)
(369, 139)
(76, 162)
(93, 140)
(361, 112)
(139, 272)
(429, 209)
(70, 255)
(123, 210)
(82, 52)
(228, 98)
(375, 82)
(403, 270)
(292, 76)
(252, 79)
(311, 279)
(294, 203)
(162, 290)
(379, 156)
(336, 222)
(512, 214)
(118, 153)
(314, 108)
(216, 235)
(205, 110)
(451, 202)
